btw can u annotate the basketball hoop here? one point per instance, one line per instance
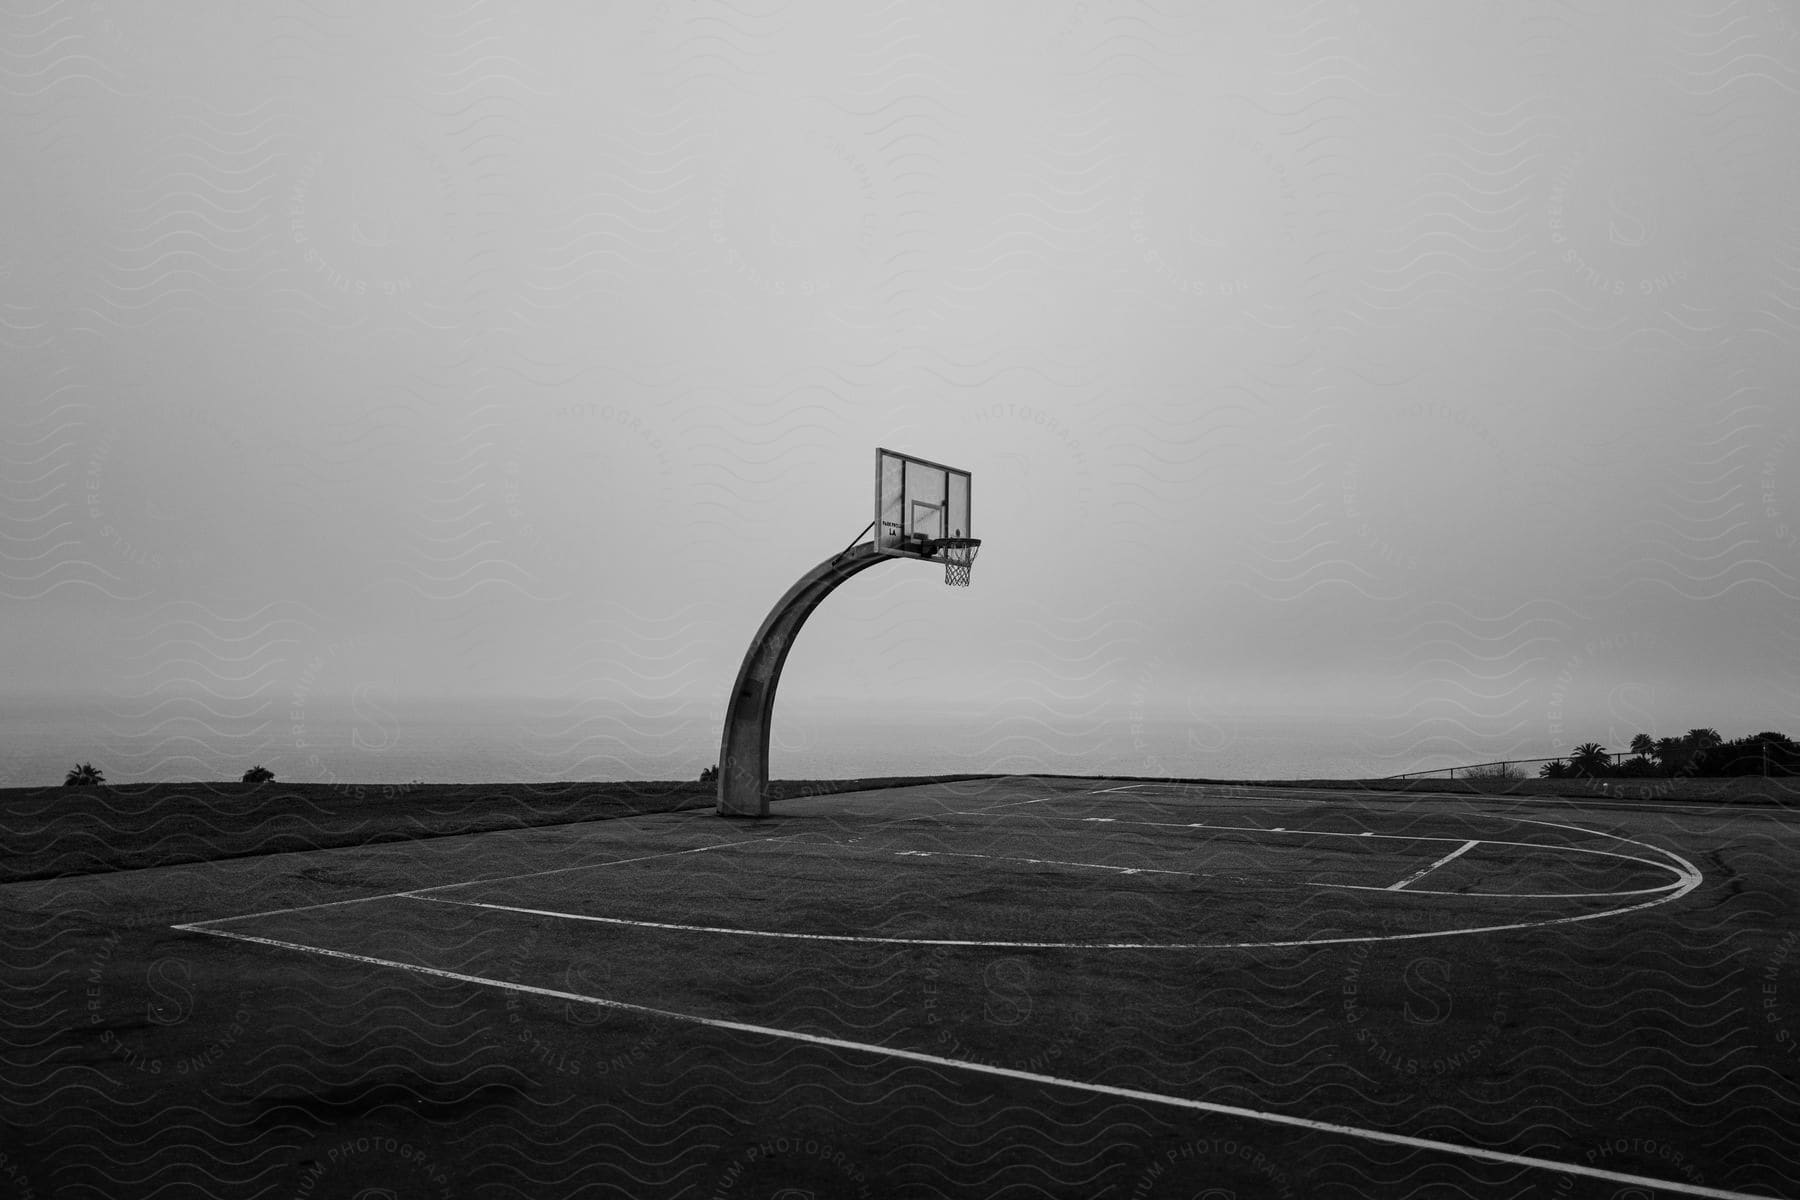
(959, 558)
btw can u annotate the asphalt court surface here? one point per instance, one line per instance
(1116, 866)
(1474, 986)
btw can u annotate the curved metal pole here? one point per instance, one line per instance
(744, 751)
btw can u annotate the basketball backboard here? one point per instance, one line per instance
(918, 502)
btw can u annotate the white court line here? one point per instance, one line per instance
(1688, 877)
(411, 892)
(955, 1064)
(1617, 837)
(869, 939)
(1360, 887)
(1040, 800)
(1366, 887)
(1042, 862)
(1412, 837)
(1254, 792)
(1418, 875)
(1269, 792)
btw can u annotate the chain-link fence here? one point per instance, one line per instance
(1506, 768)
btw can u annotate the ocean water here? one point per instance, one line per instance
(394, 741)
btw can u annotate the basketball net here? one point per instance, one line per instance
(959, 560)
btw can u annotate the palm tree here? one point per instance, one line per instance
(1643, 745)
(1590, 758)
(1702, 739)
(1555, 769)
(1681, 755)
(83, 775)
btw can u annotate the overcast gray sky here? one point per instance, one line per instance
(1426, 367)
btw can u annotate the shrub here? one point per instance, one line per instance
(83, 775)
(709, 775)
(259, 774)
(1761, 753)
(1493, 773)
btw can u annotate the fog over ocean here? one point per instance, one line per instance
(382, 739)
(1345, 387)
